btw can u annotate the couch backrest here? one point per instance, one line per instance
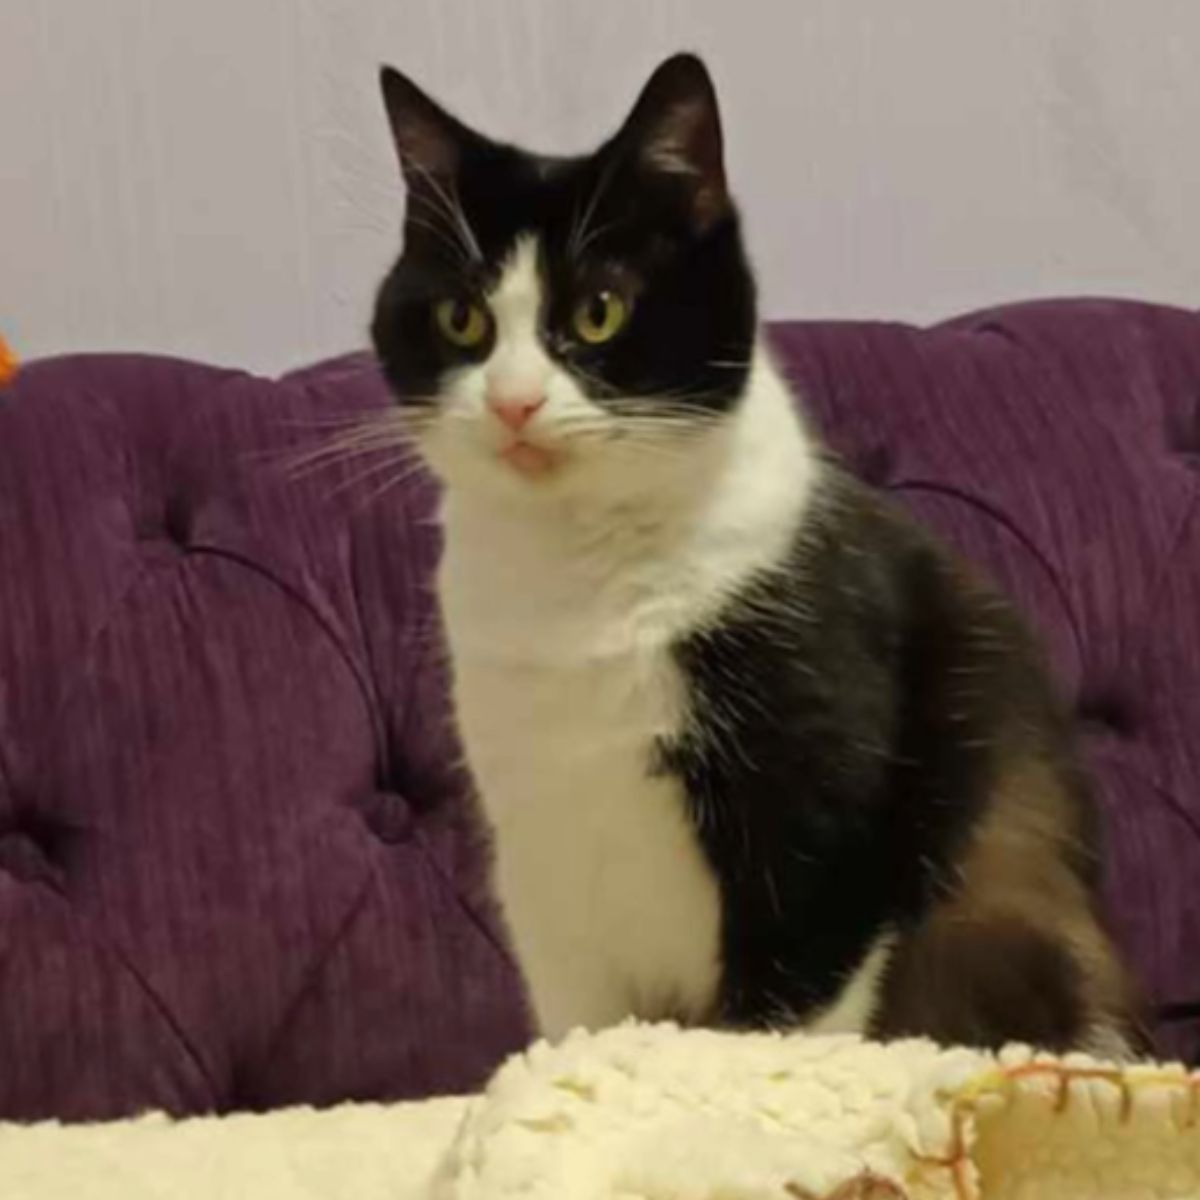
(238, 860)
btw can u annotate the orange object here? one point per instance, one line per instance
(8, 362)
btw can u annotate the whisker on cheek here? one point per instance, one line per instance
(600, 387)
(642, 439)
(333, 457)
(391, 429)
(398, 480)
(410, 464)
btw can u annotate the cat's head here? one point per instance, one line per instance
(558, 321)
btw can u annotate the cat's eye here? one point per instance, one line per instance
(462, 323)
(600, 316)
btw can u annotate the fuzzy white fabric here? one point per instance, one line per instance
(354, 1152)
(654, 1113)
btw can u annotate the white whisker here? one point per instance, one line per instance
(417, 469)
(349, 484)
(452, 209)
(332, 456)
(445, 239)
(579, 233)
(389, 429)
(597, 231)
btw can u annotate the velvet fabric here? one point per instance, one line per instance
(239, 861)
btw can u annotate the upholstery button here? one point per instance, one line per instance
(27, 854)
(176, 522)
(166, 527)
(1183, 432)
(387, 815)
(1108, 712)
(875, 466)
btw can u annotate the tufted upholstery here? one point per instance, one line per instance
(237, 860)
(234, 870)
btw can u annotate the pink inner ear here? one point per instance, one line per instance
(686, 141)
(426, 148)
(427, 138)
(672, 148)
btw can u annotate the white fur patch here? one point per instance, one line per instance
(854, 1007)
(563, 597)
(519, 364)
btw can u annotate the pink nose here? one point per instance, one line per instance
(514, 412)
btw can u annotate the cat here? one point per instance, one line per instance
(755, 751)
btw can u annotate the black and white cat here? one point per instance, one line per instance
(754, 750)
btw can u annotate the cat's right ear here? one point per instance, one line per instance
(429, 141)
(675, 129)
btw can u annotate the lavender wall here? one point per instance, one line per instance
(213, 179)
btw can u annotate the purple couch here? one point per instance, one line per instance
(238, 866)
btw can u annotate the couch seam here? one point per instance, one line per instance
(1001, 518)
(67, 695)
(316, 970)
(469, 910)
(1177, 537)
(296, 595)
(1166, 797)
(351, 917)
(89, 928)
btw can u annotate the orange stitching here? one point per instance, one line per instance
(957, 1161)
(1066, 1076)
(962, 1183)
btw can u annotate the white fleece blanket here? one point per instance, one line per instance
(654, 1113)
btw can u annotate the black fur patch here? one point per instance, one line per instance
(852, 713)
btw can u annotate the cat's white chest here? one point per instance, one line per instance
(612, 909)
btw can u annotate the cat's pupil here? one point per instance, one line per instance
(460, 316)
(598, 308)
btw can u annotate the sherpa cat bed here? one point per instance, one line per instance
(653, 1112)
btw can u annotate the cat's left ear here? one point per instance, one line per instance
(429, 141)
(675, 130)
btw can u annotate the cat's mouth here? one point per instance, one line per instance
(529, 459)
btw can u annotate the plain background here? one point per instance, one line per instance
(214, 179)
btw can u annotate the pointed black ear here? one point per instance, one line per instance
(675, 129)
(429, 141)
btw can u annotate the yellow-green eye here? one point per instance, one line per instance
(461, 322)
(600, 317)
